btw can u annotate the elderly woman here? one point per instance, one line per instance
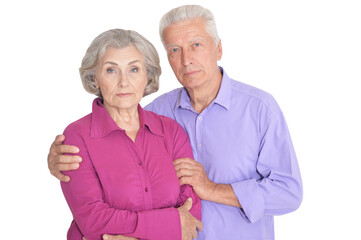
(126, 183)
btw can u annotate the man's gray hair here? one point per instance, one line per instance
(189, 12)
(120, 38)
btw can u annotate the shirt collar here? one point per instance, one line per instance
(102, 123)
(223, 97)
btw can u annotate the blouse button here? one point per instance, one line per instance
(146, 189)
(140, 163)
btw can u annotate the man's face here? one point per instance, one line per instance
(192, 53)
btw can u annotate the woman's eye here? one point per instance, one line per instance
(110, 70)
(135, 69)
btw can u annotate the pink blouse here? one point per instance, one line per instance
(127, 188)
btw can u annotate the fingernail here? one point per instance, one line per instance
(105, 237)
(78, 159)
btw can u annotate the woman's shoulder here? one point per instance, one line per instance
(167, 124)
(80, 126)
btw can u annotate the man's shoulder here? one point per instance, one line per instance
(250, 91)
(243, 90)
(169, 96)
(164, 103)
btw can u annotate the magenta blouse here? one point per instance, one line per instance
(127, 188)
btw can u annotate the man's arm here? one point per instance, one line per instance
(192, 173)
(58, 162)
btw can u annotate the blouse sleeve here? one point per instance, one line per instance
(182, 149)
(95, 217)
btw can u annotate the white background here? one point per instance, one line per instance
(307, 54)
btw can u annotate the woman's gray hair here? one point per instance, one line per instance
(120, 38)
(189, 12)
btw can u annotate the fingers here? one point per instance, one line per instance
(66, 159)
(60, 176)
(186, 180)
(117, 237)
(60, 149)
(59, 139)
(184, 160)
(184, 172)
(57, 146)
(63, 162)
(65, 166)
(186, 168)
(199, 225)
(188, 204)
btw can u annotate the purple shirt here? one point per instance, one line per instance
(241, 139)
(128, 188)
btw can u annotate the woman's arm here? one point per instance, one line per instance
(182, 149)
(95, 217)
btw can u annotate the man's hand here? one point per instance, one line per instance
(191, 172)
(58, 162)
(189, 224)
(115, 237)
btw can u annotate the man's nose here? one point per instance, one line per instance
(187, 57)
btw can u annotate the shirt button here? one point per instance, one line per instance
(140, 163)
(146, 189)
(200, 118)
(199, 144)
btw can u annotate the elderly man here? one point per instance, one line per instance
(246, 170)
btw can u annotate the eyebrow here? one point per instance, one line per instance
(116, 64)
(197, 39)
(171, 45)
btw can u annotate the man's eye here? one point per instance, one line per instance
(174, 50)
(197, 44)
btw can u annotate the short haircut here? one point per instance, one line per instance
(120, 38)
(189, 12)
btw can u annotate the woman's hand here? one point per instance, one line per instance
(58, 162)
(189, 224)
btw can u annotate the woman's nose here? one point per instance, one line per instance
(123, 81)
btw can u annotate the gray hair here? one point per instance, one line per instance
(189, 12)
(120, 38)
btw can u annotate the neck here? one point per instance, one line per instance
(126, 119)
(201, 97)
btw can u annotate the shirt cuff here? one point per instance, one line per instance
(251, 199)
(159, 224)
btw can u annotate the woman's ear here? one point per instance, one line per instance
(96, 84)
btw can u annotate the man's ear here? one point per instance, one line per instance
(219, 50)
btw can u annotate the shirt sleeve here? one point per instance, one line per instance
(277, 189)
(95, 217)
(181, 149)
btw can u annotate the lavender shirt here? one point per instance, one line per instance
(241, 139)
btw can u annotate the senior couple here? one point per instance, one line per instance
(211, 160)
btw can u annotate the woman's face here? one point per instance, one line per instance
(121, 76)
